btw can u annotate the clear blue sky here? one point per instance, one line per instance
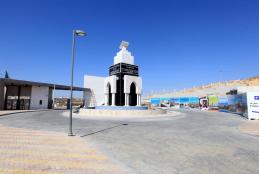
(177, 44)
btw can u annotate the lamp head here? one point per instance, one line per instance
(80, 33)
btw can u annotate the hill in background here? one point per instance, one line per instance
(219, 88)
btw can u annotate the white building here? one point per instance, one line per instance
(123, 86)
(94, 96)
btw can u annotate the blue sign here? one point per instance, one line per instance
(184, 100)
(194, 100)
(223, 101)
(256, 97)
(155, 100)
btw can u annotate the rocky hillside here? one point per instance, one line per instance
(219, 88)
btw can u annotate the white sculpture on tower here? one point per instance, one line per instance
(124, 56)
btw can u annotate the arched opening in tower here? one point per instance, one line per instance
(109, 94)
(133, 95)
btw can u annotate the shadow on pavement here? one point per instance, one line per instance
(102, 130)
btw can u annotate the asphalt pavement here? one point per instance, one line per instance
(192, 142)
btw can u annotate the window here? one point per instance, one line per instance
(40, 102)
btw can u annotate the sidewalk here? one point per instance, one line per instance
(25, 151)
(8, 112)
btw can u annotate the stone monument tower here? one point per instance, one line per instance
(123, 86)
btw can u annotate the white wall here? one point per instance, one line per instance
(95, 83)
(37, 94)
(253, 105)
(88, 98)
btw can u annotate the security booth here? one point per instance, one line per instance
(28, 95)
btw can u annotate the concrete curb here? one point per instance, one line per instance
(122, 117)
(24, 111)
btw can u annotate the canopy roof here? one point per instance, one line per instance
(15, 82)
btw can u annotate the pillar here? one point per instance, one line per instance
(2, 96)
(138, 99)
(113, 99)
(126, 99)
(106, 99)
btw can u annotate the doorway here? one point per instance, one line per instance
(109, 94)
(133, 95)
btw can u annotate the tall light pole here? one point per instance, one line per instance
(53, 96)
(75, 33)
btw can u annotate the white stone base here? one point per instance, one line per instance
(96, 112)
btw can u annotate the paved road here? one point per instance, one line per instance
(193, 142)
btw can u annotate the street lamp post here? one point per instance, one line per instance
(75, 33)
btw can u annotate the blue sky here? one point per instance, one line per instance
(177, 44)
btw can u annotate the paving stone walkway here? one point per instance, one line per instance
(24, 151)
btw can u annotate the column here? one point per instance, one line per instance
(113, 99)
(2, 96)
(138, 99)
(126, 99)
(106, 99)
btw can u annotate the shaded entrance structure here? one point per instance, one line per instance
(26, 95)
(17, 98)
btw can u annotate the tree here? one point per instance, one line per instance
(6, 75)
